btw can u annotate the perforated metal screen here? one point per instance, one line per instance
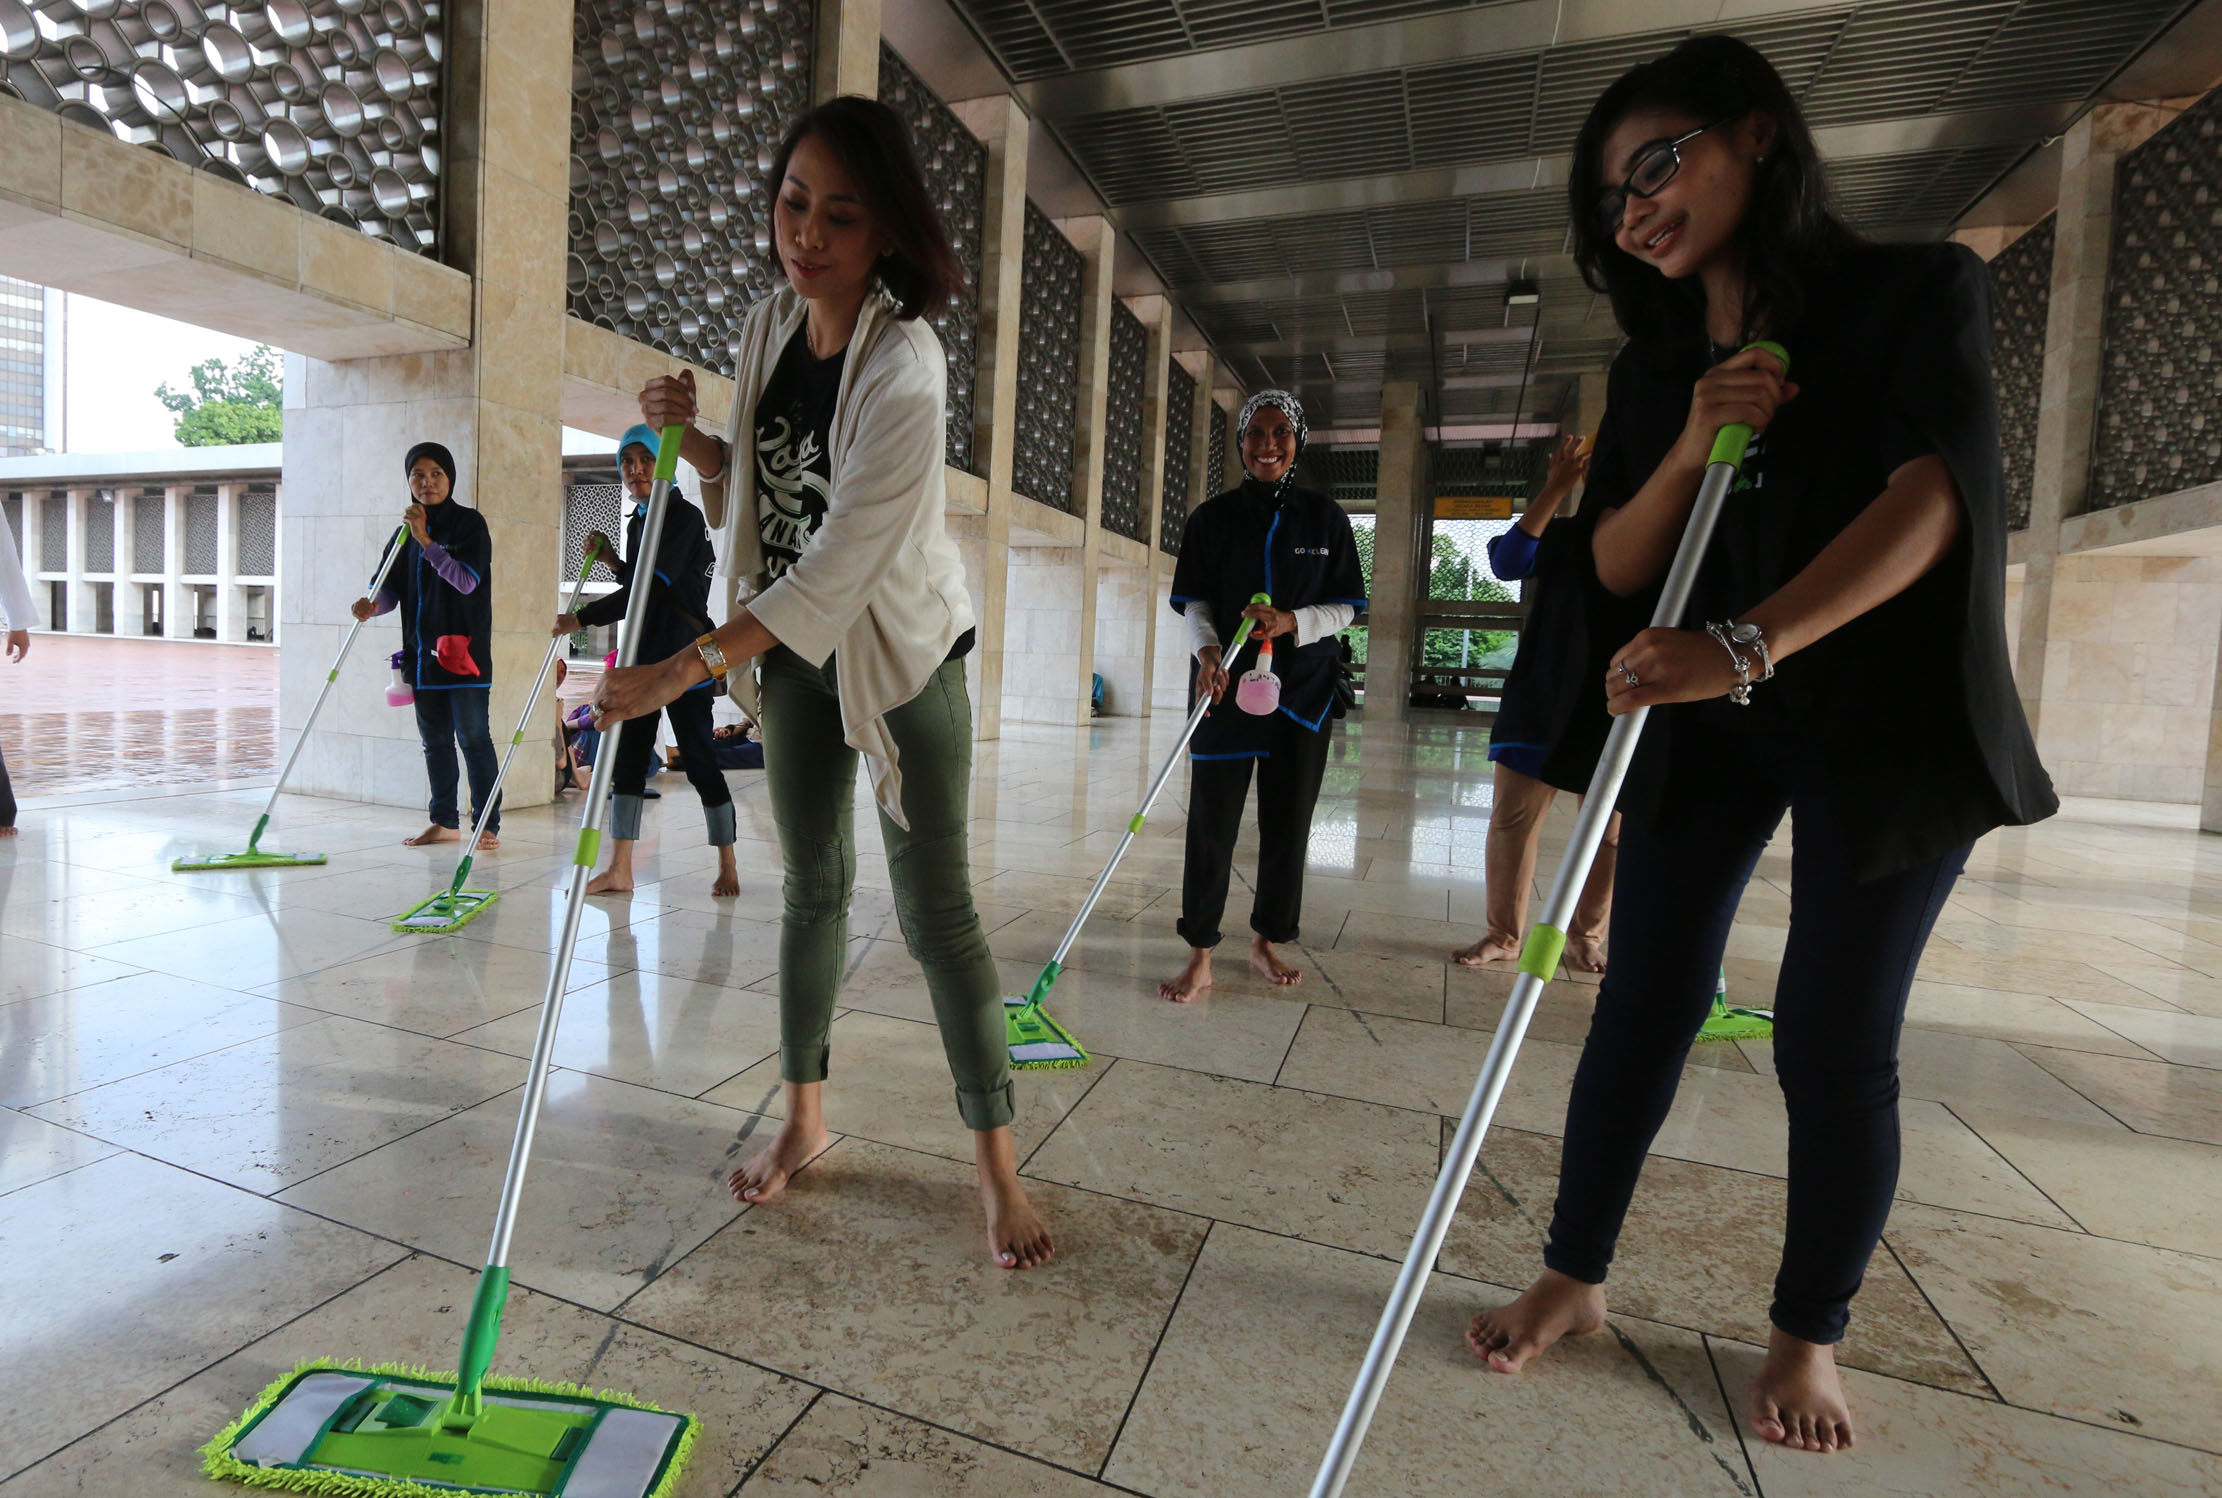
(1048, 363)
(1180, 448)
(2021, 299)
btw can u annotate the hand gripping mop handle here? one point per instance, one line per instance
(1134, 823)
(517, 739)
(1538, 960)
(493, 1286)
(377, 581)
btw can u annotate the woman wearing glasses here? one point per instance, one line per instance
(1845, 663)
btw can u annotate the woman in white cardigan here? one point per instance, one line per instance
(828, 490)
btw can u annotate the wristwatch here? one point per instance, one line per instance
(1755, 639)
(707, 647)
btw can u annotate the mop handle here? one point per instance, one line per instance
(1538, 959)
(385, 566)
(539, 683)
(493, 1285)
(1164, 773)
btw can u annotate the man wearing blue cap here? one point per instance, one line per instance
(678, 611)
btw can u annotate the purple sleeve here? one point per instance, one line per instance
(384, 603)
(452, 572)
(1512, 555)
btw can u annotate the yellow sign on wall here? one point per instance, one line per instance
(1473, 507)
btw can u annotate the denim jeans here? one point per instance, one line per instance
(448, 717)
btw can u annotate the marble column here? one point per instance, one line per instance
(83, 610)
(1098, 242)
(177, 598)
(129, 607)
(231, 602)
(1392, 605)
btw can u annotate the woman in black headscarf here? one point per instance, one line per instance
(1294, 545)
(442, 583)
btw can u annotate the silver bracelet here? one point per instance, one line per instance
(1740, 694)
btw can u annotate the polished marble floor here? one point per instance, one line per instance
(242, 1123)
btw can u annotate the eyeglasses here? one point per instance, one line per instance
(1656, 164)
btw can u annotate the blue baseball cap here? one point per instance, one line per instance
(640, 435)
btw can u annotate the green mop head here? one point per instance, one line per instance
(253, 858)
(1037, 1042)
(1727, 1022)
(449, 910)
(387, 1431)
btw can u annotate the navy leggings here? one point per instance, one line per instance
(1839, 1004)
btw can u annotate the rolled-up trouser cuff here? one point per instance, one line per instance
(1189, 934)
(625, 817)
(804, 1063)
(1822, 1328)
(984, 1110)
(1588, 1271)
(719, 819)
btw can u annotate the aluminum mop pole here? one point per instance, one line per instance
(493, 1285)
(1538, 960)
(331, 677)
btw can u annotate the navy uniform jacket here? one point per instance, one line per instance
(1300, 552)
(679, 599)
(432, 611)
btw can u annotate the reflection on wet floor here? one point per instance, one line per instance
(92, 713)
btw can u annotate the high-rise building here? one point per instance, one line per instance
(23, 382)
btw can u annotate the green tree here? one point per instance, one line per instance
(230, 403)
(1451, 578)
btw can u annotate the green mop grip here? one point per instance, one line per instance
(1042, 985)
(1729, 446)
(479, 1339)
(1539, 955)
(254, 843)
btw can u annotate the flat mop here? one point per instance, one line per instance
(1037, 1042)
(1727, 1021)
(387, 1431)
(254, 857)
(1538, 960)
(455, 907)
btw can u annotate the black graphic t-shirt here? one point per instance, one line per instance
(794, 464)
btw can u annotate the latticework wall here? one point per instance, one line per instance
(2160, 380)
(1180, 449)
(2021, 300)
(331, 103)
(1215, 464)
(955, 163)
(12, 506)
(676, 110)
(1122, 422)
(1048, 363)
(100, 533)
(258, 532)
(200, 533)
(593, 501)
(54, 534)
(148, 513)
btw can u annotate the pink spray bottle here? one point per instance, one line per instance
(1259, 691)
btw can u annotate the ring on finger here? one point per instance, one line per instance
(1628, 674)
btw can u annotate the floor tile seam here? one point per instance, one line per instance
(2149, 1052)
(2008, 1162)
(1944, 1321)
(114, 1150)
(2204, 972)
(397, 1139)
(1728, 1405)
(1290, 1049)
(1066, 1117)
(48, 1102)
(1149, 1361)
(172, 1387)
(2127, 1126)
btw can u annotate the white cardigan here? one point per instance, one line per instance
(879, 581)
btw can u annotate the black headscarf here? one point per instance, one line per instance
(438, 454)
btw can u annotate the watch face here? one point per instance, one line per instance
(1744, 633)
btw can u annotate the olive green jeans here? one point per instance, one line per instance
(811, 771)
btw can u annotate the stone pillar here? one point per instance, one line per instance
(130, 608)
(1098, 241)
(497, 405)
(177, 598)
(83, 609)
(846, 59)
(1392, 607)
(231, 603)
(1134, 658)
(34, 540)
(986, 539)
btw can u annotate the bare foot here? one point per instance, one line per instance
(764, 1174)
(1267, 964)
(1490, 950)
(1193, 979)
(1797, 1400)
(1585, 954)
(611, 882)
(1016, 1237)
(488, 843)
(1555, 1306)
(8, 831)
(432, 834)
(729, 876)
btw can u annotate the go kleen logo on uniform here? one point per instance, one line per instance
(1309, 551)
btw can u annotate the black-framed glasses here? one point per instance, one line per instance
(1655, 166)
